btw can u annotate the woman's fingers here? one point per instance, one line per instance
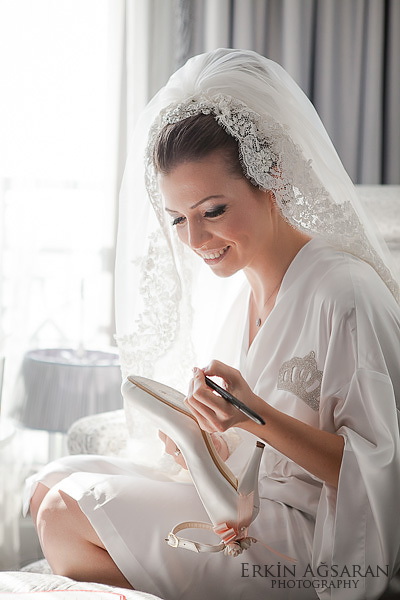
(172, 449)
(204, 395)
(232, 377)
(162, 436)
(206, 417)
(211, 411)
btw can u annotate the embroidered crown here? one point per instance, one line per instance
(301, 377)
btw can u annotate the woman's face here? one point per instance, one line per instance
(222, 217)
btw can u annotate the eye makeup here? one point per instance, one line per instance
(209, 214)
(215, 212)
(177, 221)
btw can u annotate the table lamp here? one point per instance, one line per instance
(55, 387)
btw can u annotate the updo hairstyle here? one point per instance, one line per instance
(193, 139)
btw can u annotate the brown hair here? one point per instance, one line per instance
(194, 138)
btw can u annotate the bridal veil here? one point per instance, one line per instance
(283, 147)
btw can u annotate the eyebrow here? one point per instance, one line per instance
(197, 203)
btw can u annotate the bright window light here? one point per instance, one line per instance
(56, 219)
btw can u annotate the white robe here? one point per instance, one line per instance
(327, 355)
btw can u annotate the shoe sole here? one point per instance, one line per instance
(174, 399)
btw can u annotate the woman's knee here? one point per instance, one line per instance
(50, 515)
(37, 499)
(70, 543)
(60, 517)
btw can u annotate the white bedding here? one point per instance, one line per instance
(23, 582)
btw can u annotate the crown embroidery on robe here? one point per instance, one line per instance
(301, 377)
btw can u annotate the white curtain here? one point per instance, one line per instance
(344, 54)
(54, 225)
(10, 502)
(142, 56)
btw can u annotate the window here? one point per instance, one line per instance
(56, 215)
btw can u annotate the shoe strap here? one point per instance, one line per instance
(179, 542)
(230, 549)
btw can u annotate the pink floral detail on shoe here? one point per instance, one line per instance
(226, 533)
(234, 546)
(230, 537)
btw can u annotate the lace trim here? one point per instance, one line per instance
(163, 319)
(150, 339)
(272, 161)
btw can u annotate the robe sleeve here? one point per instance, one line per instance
(357, 532)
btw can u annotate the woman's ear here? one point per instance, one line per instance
(271, 199)
(268, 200)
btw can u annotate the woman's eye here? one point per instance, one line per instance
(178, 220)
(216, 212)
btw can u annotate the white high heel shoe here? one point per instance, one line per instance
(231, 505)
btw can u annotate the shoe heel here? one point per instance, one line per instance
(227, 502)
(249, 480)
(215, 483)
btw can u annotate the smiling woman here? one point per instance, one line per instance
(231, 224)
(213, 209)
(308, 343)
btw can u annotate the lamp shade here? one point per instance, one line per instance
(55, 387)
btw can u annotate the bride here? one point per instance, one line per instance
(240, 172)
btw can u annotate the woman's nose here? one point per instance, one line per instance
(197, 235)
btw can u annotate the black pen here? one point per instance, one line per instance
(237, 403)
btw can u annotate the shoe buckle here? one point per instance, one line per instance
(172, 540)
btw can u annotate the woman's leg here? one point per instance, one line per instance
(37, 499)
(68, 540)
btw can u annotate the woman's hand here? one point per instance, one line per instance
(213, 413)
(172, 449)
(317, 451)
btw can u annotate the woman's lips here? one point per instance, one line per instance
(214, 256)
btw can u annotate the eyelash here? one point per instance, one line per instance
(211, 214)
(216, 212)
(178, 221)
